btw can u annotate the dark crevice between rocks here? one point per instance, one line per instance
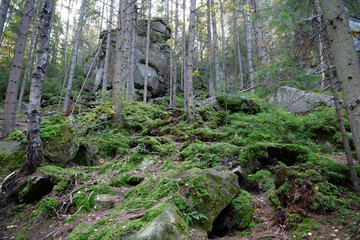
(222, 225)
(37, 187)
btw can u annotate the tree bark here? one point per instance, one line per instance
(122, 59)
(238, 48)
(346, 61)
(130, 85)
(147, 53)
(210, 55)
(215, 42)
(34, 153)
(9, 114)
(28, 60)
(74, 58)
(189, 107)
(183, 48)
(174, 83)
(224, 75)
(171, 56)
(250, 82)
(107, 51)
(4, 7)
(259, 41)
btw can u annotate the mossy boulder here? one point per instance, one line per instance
(11, 156)
(34, 188)
(60, 142)
(169, 224)
(238, 215)
(210, 191)
(239, 104)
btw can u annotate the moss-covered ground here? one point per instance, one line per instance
(157, 158)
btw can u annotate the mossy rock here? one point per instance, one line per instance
(210, 191)
(11, 156)
(34, 188)
(243, 208)
(169, 224)
(239, 104)
(60, 142)
(262, 180)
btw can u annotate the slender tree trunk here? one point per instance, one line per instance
(250, 82)
(147, 53)
(130, 85)
(34, 153)
(346, 61)
(189, 107)
(74, 57)
(102, 16)
(238, 48)
(348, 71)
(259, 42)
(223, 45)
(215, 42)
(28, 60)
(174, 83)
(210, 55)
(122, 58)
(171, 55)
(321, 47)
(184, 48)
(9, 114)
(4, 7)
(107, 51)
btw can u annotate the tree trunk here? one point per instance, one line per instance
(210, 52)
(348, 71)
(238, 48)
(34, 153)
(9, 114)
(188, 85)
(346, 61)
(74, 57)
(107, 51)
(171, 56)
(259, 41)
(4, 7)
(122, 59)
(147, 53)
(225, 81)
(28, 60)
(215, 42)
(174, 83)
(130, 85)
(250, 82)
(183, 48)
(321, 47)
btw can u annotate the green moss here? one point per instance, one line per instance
(46, 207)
(236, 103)
(262, 180)
(243, 209)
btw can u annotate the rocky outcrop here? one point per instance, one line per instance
(299, 101)
(158, 76)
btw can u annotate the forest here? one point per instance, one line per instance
(179, 119)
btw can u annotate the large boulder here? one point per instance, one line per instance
(159, 71)
(299, 101)
(60, 142)
(168, 225)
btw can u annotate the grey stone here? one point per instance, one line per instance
(167, 226)
(299, 101)
(34, 188)
(105, 201)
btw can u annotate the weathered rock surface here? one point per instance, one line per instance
(62, 148)
(158, 76)
(35, 187)
(104, 201)
(299, 101)
(168, 225)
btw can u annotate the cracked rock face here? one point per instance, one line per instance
(159, 70)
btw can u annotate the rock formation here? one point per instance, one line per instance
(158, 79)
